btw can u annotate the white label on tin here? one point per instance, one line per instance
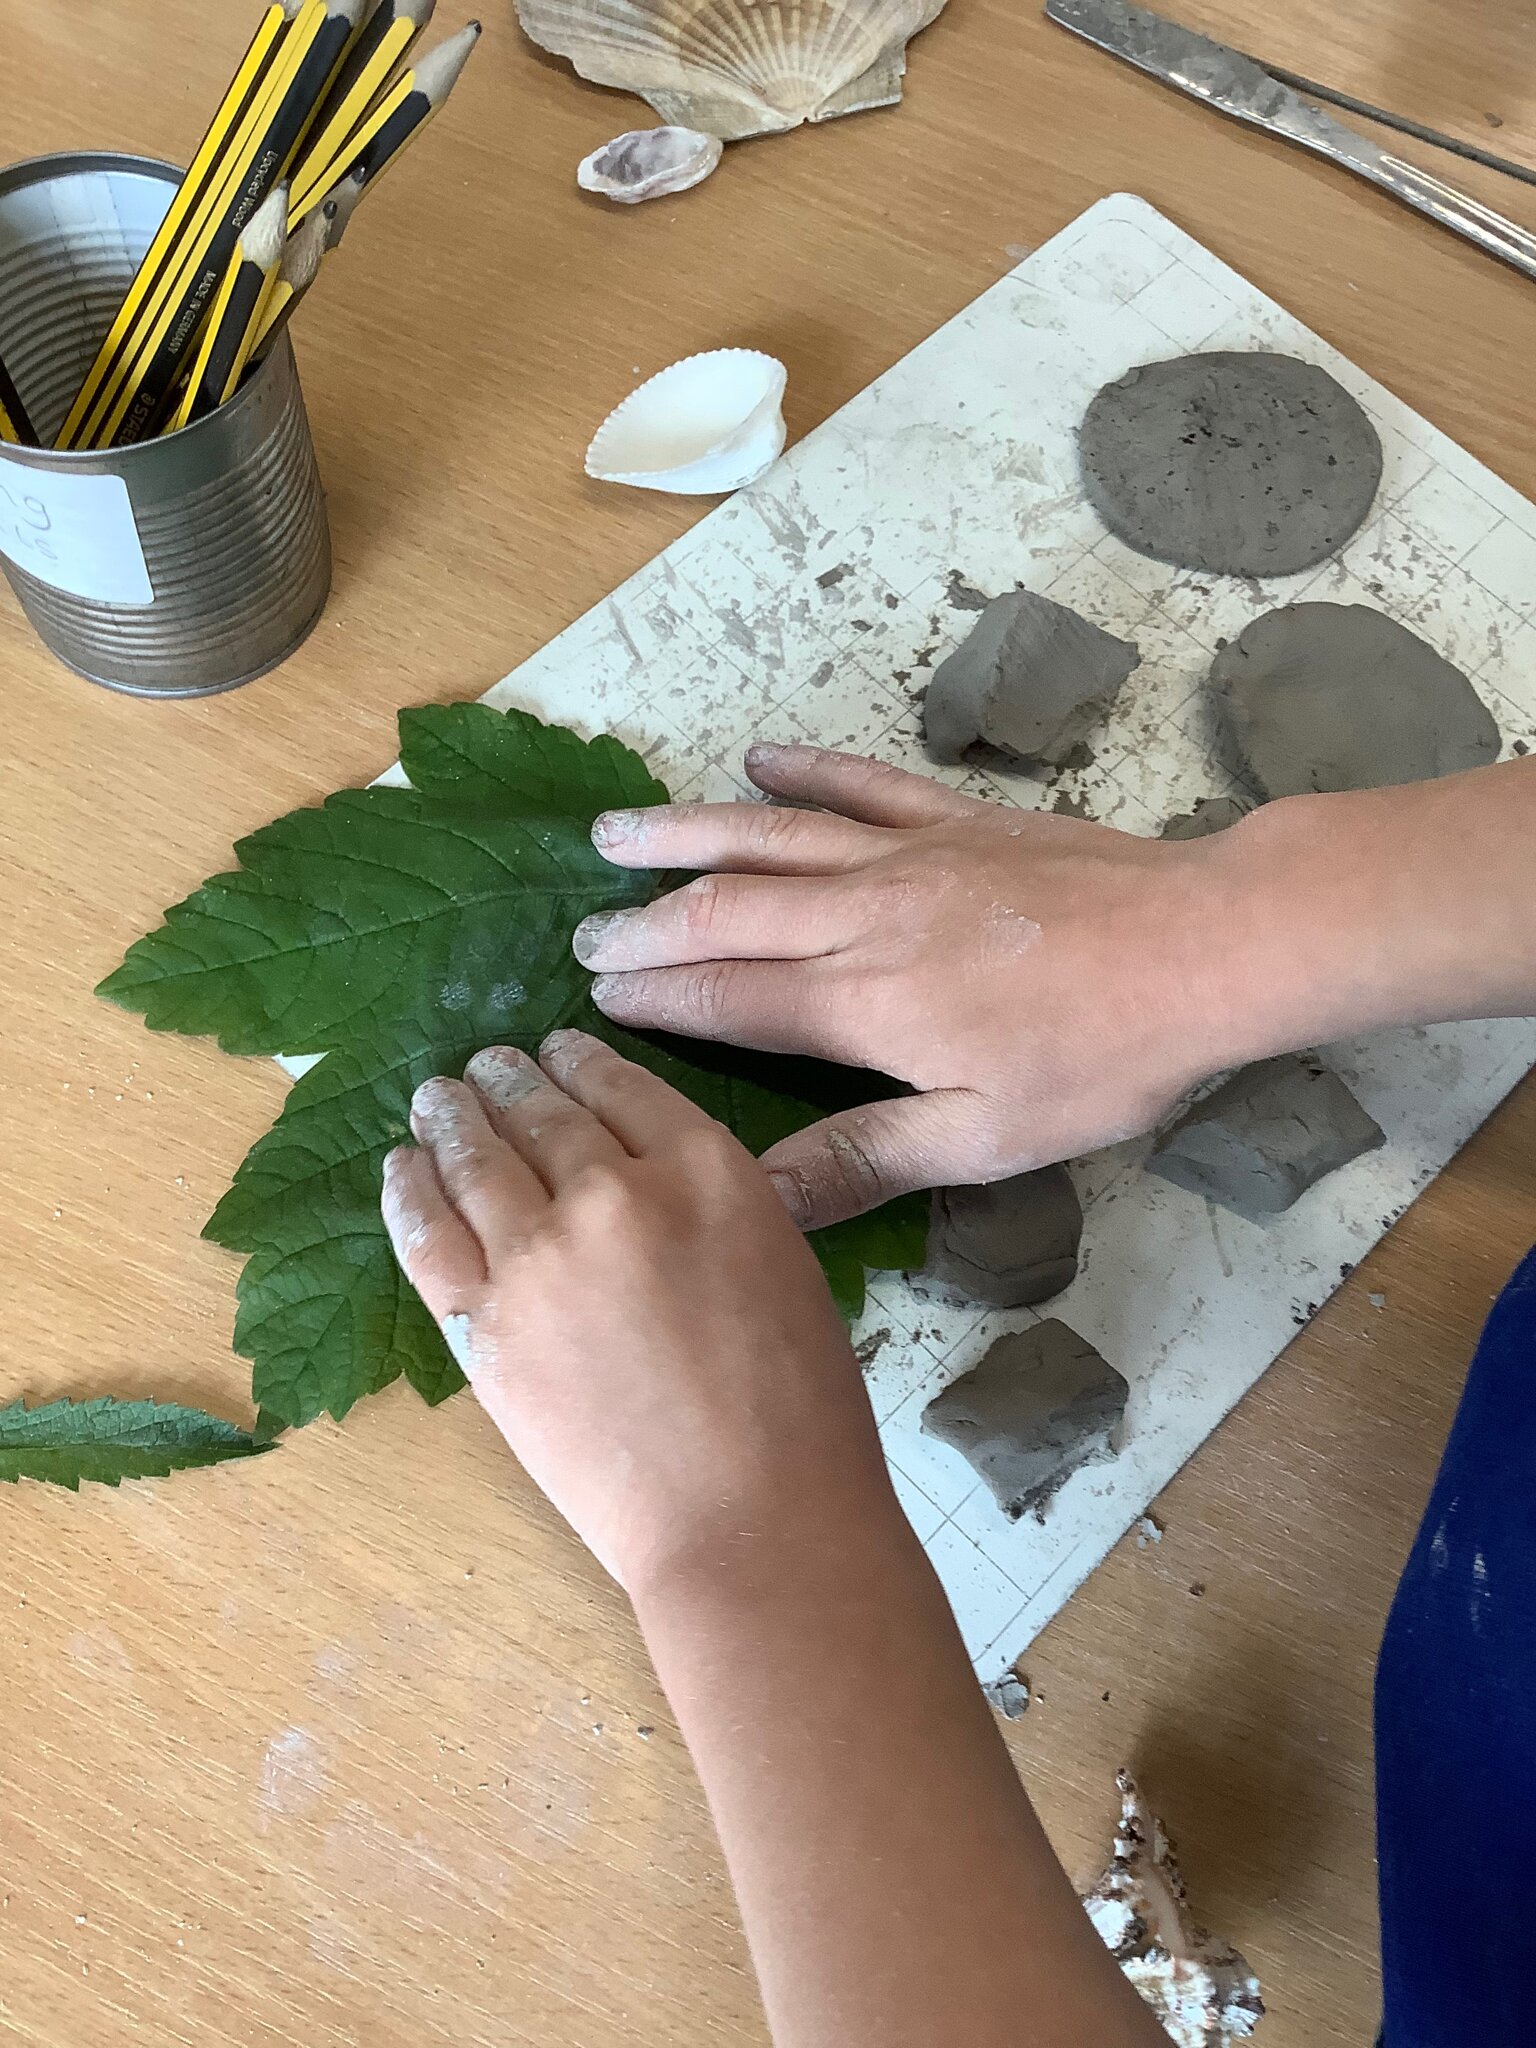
(76, 532)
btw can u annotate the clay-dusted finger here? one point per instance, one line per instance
(862, 1157)
(643, 1112)
(435, 1248)
(720, 917)
(550, 1131)
(734, 838)
(872, 793)
(772, 1005)
(496, 1193)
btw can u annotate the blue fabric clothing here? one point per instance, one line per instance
(1456, 1721)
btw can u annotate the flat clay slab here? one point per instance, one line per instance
(1239, 463)
(1032, 679)
(1337, 696)
(1263, 1138)
(1009, 1243)
(1041, 1404)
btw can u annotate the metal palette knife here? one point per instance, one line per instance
(1238, 86)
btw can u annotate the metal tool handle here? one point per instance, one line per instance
(1457, 210)
(1237, 86)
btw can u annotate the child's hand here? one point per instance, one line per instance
(632, 1305)
(1046, 986)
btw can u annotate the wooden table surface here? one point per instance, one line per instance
(353, 1744)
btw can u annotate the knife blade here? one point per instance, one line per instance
(1235, 85)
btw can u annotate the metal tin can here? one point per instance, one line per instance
(177, 566)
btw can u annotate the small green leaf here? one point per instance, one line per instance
(64, 1442)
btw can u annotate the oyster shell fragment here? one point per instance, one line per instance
(648, 163)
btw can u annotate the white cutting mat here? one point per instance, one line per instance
(816, 603)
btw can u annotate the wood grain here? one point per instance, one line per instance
(345, 1746)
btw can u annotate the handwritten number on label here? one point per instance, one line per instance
(33, 524)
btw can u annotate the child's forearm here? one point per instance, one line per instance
(896, 1887)
(1356, 912)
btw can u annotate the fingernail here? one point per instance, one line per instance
(428, 1096)
(767, 753)
(564, 1047)
(605, 989)
(435, 1106)
(611, 828)
(588, 939)
(789, 1191)
(503, 1075)
(459, 1336)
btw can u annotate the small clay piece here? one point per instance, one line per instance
(1337, 696)
(1040, 1405)
(1031, 679)
(1008, 1243)
(1203, 1991)
(1264, 1137)
(1244, 464)
(1009, 1695)
(649, 163)
(1210, 814)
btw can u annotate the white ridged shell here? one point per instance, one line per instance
(704, 426)
(737, 67)
(648, 163)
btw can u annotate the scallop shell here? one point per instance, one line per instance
(648, 163)
(737, 67)
(706, 425)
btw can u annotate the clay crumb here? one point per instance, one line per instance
(1211, 814)
(1009, 1695)
(1147, 1533)
(870, 1347)
(1377, 1300)
(965, 597)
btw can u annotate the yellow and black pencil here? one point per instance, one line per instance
(243, 94)
(136, 398)
(297, 272)
(339, 205)
(406, 108)
(231, 331)
(383, 41)
(15, 426)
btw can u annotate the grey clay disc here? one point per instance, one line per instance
(1337, 696)
(1241, 464)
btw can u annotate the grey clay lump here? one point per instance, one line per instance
(1337, 696)
(1241, 463)
(1264, 1137)
(1008, 1243)
(1040, 1405)
(1032, 680)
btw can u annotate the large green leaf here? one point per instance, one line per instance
(398, 930)
(107, 1440)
